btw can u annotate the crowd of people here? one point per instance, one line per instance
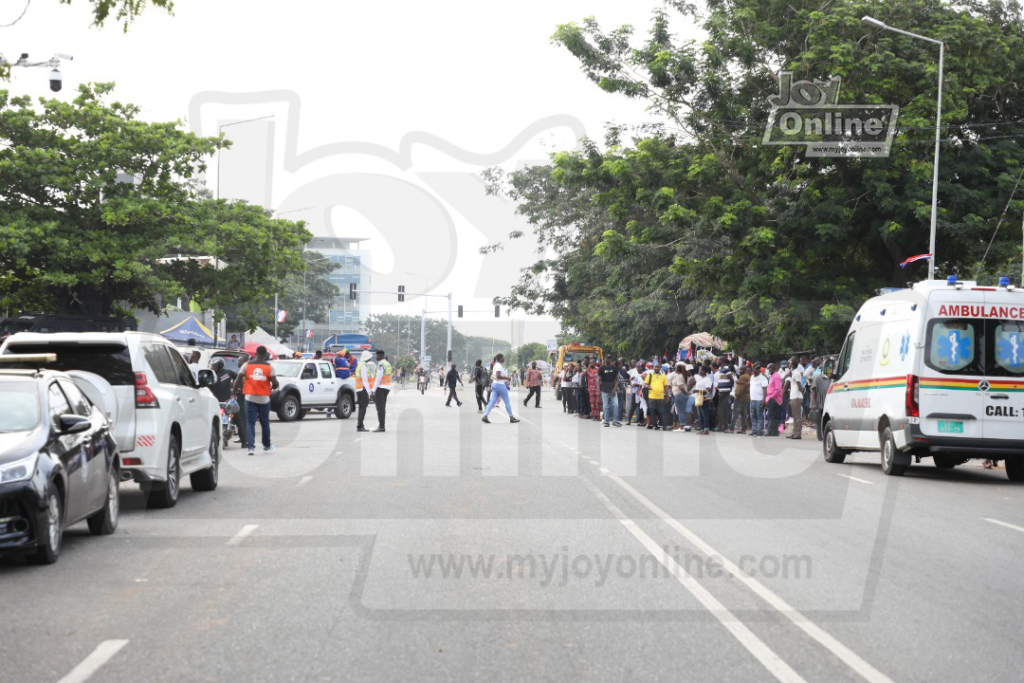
(734, 396)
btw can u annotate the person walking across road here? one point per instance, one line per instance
(362, 389)
(451, 378)
(499, 389)
(256, 379)
(381, 388)
(534, 377)
(478, 378)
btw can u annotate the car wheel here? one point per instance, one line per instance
(165, 494)
(302, 413)
(104, 521)
(946, 462)
(290, 409)
(1014, 468)
(206, 480)
(52, 535)
(345, 407)
(833, 453)
(889, 465)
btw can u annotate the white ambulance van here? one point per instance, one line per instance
(932, 371)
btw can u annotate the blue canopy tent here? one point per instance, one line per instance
(190, 328)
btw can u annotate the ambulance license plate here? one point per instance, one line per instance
(951, 427)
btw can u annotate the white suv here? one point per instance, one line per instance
(165, 424)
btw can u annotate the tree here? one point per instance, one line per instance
(764, 246)
(125, 11)
(530, 352)
(312, 295)
(74, 238)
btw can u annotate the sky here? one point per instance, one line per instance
(383, 116)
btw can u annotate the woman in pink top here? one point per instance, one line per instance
(774, 401)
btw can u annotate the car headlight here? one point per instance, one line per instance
(18, 470)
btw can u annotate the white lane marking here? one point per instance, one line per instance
(304, 481)
(754, 645)
(241, 535)
(825, 639)
(91, 664)
(1008, 526)
(863, 481)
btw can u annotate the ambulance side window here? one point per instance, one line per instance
(1005, 348)
(843, 364)
(953, 347)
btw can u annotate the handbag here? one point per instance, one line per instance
(699, 399)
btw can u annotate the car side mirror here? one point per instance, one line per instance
(74, 424)
(206, 378)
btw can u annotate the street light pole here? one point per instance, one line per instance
(870, 21)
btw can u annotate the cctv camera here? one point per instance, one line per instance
(56, 80)
(64, 55)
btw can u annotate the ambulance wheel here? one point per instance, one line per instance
(889, 465)
(833, 453)
(1014, 468)
(946, 462)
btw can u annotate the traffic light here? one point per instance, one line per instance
(352, 291)
(497, 311)
(401, 293)
(460, 311)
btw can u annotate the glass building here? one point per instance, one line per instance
(352, 265)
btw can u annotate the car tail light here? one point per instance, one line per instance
(913, 396)
(144, 397)
(131, 462)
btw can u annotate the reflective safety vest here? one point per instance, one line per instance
(385, 380)
(257, 379)
(360, 384)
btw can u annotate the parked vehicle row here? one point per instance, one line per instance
(162, 424)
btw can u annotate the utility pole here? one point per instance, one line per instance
(449, 355)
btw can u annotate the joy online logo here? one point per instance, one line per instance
(808, 113)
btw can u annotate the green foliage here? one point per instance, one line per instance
(399, 335)
(73, 238)
(698, 226)
(124, 11)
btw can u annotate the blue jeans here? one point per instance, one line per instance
(610, 402)
(621, 405)
(681, 401)
(499, 391)
(757, 417)
(261, 411)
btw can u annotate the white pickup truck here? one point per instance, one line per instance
(306, 385)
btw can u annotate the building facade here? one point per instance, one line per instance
(352, 266)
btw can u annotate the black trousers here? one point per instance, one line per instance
(533, 390)
(380, 399)
(774, 418)
(451, 395)
(363, 399)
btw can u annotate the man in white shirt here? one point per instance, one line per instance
(758, 387)
(796, 401)
(363, 389)
(381, 387)
(193, 365)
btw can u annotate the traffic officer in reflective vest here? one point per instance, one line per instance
(381, 388)
(362, 389)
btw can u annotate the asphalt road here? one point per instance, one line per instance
(555, 549)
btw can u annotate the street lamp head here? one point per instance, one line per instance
(871, 21)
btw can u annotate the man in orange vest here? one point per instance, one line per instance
(381, 388)
(257, 379)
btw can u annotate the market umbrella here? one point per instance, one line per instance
(543, 365)
(702, 339)
(251, 346)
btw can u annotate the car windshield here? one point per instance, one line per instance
(112, 362)
(288, 368)
(14, 326)
(19, 406)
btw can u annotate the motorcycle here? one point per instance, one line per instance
(228, 427)
(421, 383)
